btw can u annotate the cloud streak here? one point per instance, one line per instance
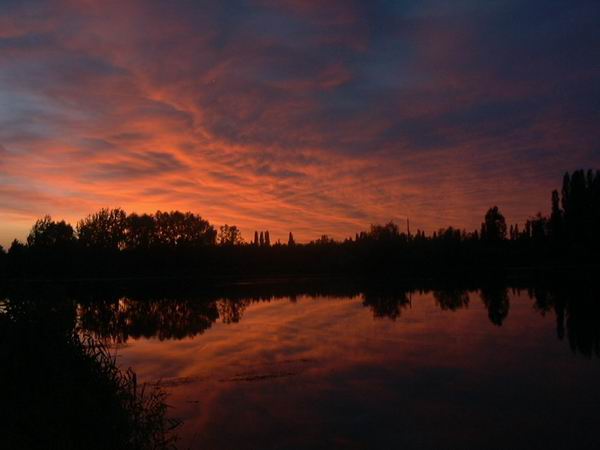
(303, 116)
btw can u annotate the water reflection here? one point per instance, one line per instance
(124, 318)
(63, 389)
(451, 299)
(321, 365)
(495, 299)
(166, 313)
(119, 318)
(386, 302)
(577, 310)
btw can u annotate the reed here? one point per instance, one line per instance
(63, 388)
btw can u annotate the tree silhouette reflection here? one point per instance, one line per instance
(451, 299)
(386, 302)
(164, 313)
(231, 311)
(162, 318)
(63, 389)
(577, 310)
(495, 299)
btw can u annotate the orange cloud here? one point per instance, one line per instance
(287, 116)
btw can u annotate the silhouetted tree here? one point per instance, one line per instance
(571, 234)
(47, 233)
(449, 234)
(140, 231)
(494, 227)
(581, 205)
(104, 229)
(176, 229)
(556, 218)
(383, 233)
(324, 240)
(16, 248)
(229, 235)
(538, 227)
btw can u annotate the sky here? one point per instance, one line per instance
(316, 117)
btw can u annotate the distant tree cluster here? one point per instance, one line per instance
(574, 217)
(47, 233)
(262, 240)
(115, 229)
(493, 229)
(571, 228)
(230, 235)
(171, 310)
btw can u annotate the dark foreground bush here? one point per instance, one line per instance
(63, 390)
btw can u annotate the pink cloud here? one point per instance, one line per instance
(300, 116)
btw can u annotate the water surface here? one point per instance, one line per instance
(491, 368)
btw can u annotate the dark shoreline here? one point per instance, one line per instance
(190, 284)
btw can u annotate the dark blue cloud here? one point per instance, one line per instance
(355, 110)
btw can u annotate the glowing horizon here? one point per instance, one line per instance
(294, 116)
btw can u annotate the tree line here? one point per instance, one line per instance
(116, 313)
(172, 241)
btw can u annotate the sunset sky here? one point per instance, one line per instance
(306, 116)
